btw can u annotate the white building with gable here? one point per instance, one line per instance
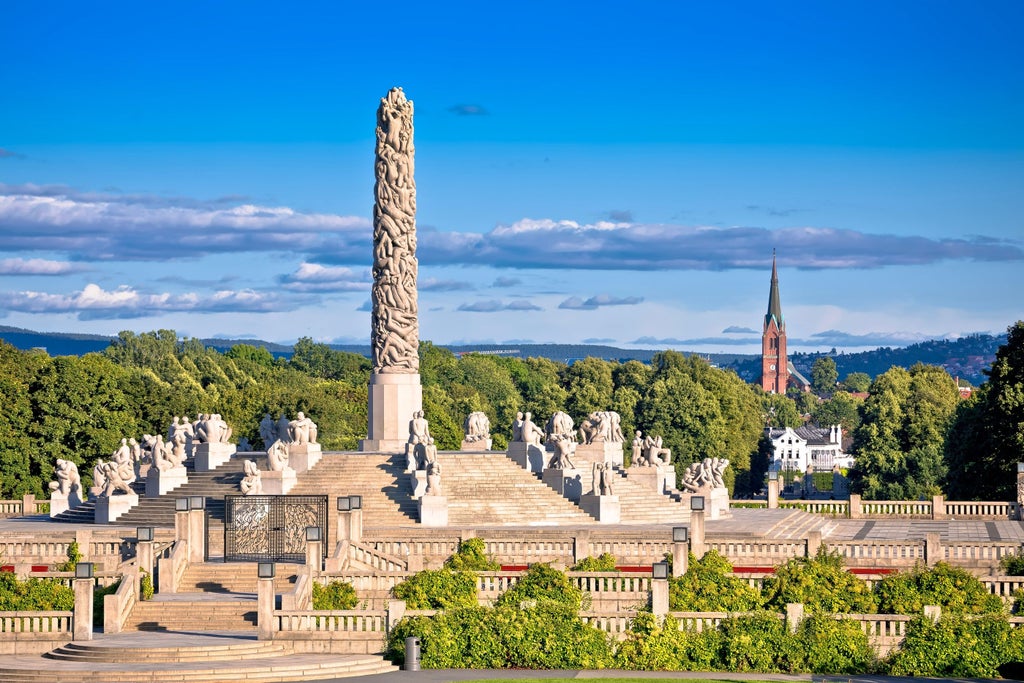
(796, 449)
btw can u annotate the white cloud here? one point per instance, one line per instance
(37, 266)
(313, 277)
(595, 302)
(494, 305)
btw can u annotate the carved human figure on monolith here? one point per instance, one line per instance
(395, 324)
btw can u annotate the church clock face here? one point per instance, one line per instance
(772, 366)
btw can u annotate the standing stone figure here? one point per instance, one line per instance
(394, 324)
(603, 479)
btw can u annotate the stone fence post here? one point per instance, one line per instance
(854, 509)
(28, 504)
(395, 612)
(932, 549)
(265, 603)
(938, 507)
(794, 615)
(697, 546)
(83, 609)
(773, 492)
(813, 543)
(580, 546)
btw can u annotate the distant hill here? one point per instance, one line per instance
(966, 358)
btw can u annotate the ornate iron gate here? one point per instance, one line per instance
(271, 528)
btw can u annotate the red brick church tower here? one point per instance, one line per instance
(774, 361)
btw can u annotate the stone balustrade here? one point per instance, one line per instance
(857, 508)
(23, 507)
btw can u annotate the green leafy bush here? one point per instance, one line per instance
(471, 557)
(146, 590)
(97, 602)
(758, 642)
(957, 646)
(1013, 565)
(652, 647)
(334, 595)
(953, 589)
(542, 584)
(34, 594)
(834, 646)
(821, 583)
(437, 589)
(709, 586)
(547, 636)
(74, 557)
(605, 562)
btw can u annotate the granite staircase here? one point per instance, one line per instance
(380, 479)
(488, 489)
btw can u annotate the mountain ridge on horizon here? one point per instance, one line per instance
(965, 358)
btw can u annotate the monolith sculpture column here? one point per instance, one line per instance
(395, 391)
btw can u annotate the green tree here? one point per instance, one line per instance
(986, 439)
(780, 411)
(709, 586)
(824, 375)
(899, 444)
(821, 583)
(21, 469)
(857, 381)
(589, 387)
(840, 409)
(953, 589)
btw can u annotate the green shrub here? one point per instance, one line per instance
(97, 602)
(437, 589)
(834, 646)
(1013, 565)
(709, 586)
(146, 590)
(34, 595)
(74, 557)
(821, 583)
(335, 595)
(953, 589)
(548, 636)
(471, 557)
(758, 642)
(650, 647)
(605, 562)
(957, 646)
(541, 584)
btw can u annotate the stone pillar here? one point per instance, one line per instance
(395, 393)
(794, 615)
(659, 598)
(680, 558)
(773, 494)
(197, 535)
(314, 560)
(395, 613)
(932, 549)
(933, 612)
(28, 504)
(854, 509)
(813, 543)
(350, 525)
(144, 553)
(265, 599)
(183, 529)
(580, 546)
(697, 533)
(939, 507)
(83, 609)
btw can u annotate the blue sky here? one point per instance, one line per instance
(585, 171)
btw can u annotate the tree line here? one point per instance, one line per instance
(912, 435)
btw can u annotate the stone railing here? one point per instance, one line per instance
(300, 597)
(23, 507)
(973, 509)
(372, 557)
(890, 554)
(334, 631)
(34, 632)
(831, 508)
(118, 606)
(895, 508)
(172, 568)
(751, 552)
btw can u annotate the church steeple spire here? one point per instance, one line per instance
(774, 304)
(774, 362)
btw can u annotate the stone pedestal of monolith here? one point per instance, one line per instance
(160, 482)
(476, 446)
(433, 511)
(418, 483)
(606, 509)
(278, 483)
(109, 508)
(62, 502)
(393, 399)
(210, 456)
(302, 457)
(566, 482)
(599, 452)
(529, 456)
(659, 479)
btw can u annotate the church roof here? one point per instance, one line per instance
(795, 374)
(774, 304)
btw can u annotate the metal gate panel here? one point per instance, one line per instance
(271, 528)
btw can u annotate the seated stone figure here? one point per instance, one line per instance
(302, 429)
(477, 427)
(560, 424)
(114, 483)
(252, 483)
(419, 428)
(67, 478)
(530, 432)
(277, 456)
(434, 479)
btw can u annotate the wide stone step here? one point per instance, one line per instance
(94, 651)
